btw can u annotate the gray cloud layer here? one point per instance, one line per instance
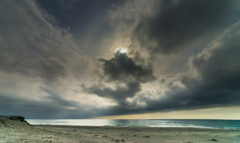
(211, 76)
(181, 55)
(178, 25)
(37, 60)
(215, 85)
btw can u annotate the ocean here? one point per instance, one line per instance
(219, 124)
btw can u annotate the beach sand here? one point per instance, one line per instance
(22, 132)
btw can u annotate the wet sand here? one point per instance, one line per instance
(16, 131)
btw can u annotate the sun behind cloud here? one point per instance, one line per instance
(122, 50)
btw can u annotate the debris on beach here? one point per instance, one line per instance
(214, 140)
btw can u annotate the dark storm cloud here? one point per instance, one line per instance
(122, 69)
(183, 24)
(217, 83)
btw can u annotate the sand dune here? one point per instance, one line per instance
(14, 131)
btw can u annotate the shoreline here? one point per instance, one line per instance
(202, 124)
(182, 128)
(22, 132)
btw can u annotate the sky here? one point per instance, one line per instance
(121, 59)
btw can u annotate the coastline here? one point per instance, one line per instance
(182, 123)
(16, 131)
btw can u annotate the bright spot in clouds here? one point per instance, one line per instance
(122, 50)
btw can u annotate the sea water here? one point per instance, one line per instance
(222, 124)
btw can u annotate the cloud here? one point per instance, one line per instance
(41, 66)
(120, 93)
(178, 25)
(214, 85)
(182, 55)
(123, 68)
(123, 72)
(33, 46)
(181, 41)
(45, 109)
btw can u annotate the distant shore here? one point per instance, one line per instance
(20, 131)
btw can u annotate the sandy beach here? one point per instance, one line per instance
(14, 131)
